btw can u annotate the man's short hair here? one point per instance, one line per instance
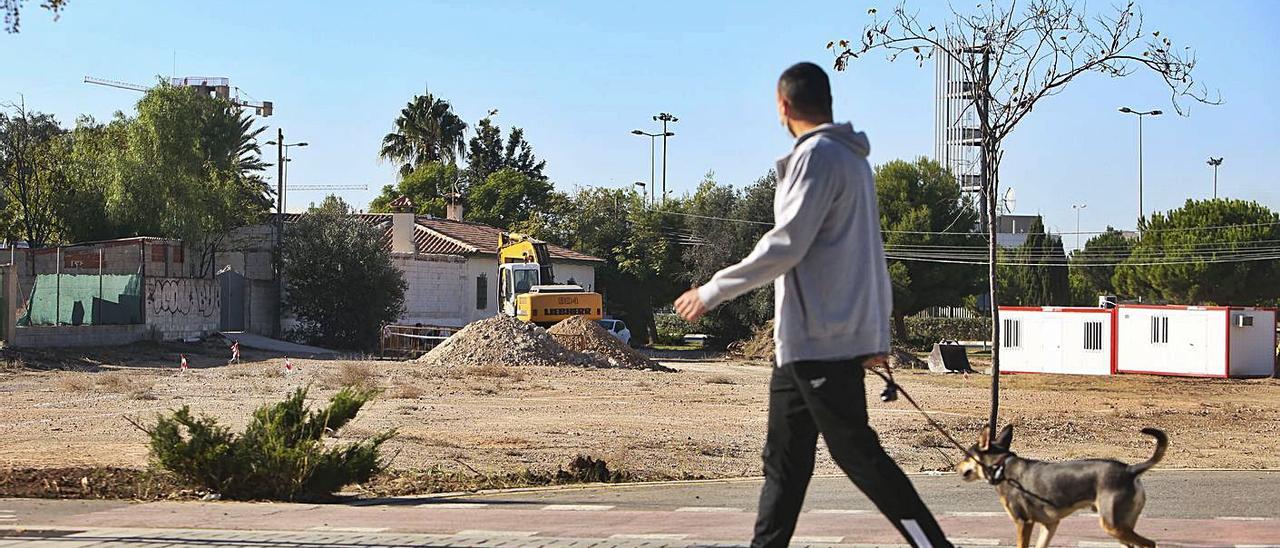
(806, 87)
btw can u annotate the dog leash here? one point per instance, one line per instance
(995, 474)
(890, 393)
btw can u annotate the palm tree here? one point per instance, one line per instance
(248, 156)
(427, 130)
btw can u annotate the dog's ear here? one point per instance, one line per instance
(984, 438)
(1005, 438)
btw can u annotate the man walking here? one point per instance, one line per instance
(832, 308)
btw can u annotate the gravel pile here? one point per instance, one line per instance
(759, 347)
(503, 340)
(583, 335)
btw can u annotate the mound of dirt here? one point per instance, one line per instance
(504, 340)
(759, 347)
(583, 335)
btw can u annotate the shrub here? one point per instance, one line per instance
(671, 329)
(279, 456)
(923, 332)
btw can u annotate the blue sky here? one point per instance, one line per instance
(578, 76)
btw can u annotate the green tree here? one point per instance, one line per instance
(33, 157)
(487, 154)
(427, 130)
(1206, 252)
(326, 249)
(918, 200)
(97, 155)
(1095, 262)
(1039, 276)
(186, 171)
(717, 243)
(426, 187)
(506, 198)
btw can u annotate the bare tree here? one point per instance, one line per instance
(1015, 56)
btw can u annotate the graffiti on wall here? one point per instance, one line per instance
(183, 297)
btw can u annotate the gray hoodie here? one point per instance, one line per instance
(824, 254)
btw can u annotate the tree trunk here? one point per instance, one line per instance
(994, 282)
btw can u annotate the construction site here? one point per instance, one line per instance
(506, 397)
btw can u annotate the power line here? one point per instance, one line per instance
(983, 234)
(1272, 257)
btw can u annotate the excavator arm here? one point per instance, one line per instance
(519, 248)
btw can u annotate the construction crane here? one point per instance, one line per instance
(217, 86)
(328, 187)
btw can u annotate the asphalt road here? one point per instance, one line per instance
(1170, 494)
(1237, 509)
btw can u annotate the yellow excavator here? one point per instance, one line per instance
(527, 288)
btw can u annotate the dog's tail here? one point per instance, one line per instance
(1162, 443)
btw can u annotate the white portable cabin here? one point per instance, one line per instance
(1053, 339)
(1196, 341)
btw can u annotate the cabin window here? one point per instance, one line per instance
(482, 292)
(1093, 335)
(1159, 330)
(1012, 335)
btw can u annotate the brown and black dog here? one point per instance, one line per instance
(1046, 492)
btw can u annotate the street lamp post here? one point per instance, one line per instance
(282, 151)
(1215, 162)
(652, 144)
(1140, 115)
(664, 118)
(1078, 207)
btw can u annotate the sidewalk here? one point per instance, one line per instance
(466, 522)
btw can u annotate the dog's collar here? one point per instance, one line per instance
(995, 472)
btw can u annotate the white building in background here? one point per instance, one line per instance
(1197, 341)
(1057, 340)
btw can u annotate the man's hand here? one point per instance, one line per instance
(690, 306)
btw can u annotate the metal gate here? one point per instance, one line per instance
(231, 288)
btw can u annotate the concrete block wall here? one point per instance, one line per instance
(78, 335)
(179, 308)
(435, 293)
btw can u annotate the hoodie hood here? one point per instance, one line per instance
(843, 133)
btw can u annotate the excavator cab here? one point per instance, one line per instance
(516, 279)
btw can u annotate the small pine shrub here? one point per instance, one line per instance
(281, 454)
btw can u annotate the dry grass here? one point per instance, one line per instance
(75, 382)
(406, 392)
(494, 371)
(127, 384)
(353, 374)
(720, 379)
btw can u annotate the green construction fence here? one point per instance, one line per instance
(84, 299)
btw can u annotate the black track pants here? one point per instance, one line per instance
(806, 398)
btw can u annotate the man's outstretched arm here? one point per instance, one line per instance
(803, 207)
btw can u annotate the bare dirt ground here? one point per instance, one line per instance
(69, 408)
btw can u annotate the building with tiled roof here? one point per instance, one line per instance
(436, 236)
